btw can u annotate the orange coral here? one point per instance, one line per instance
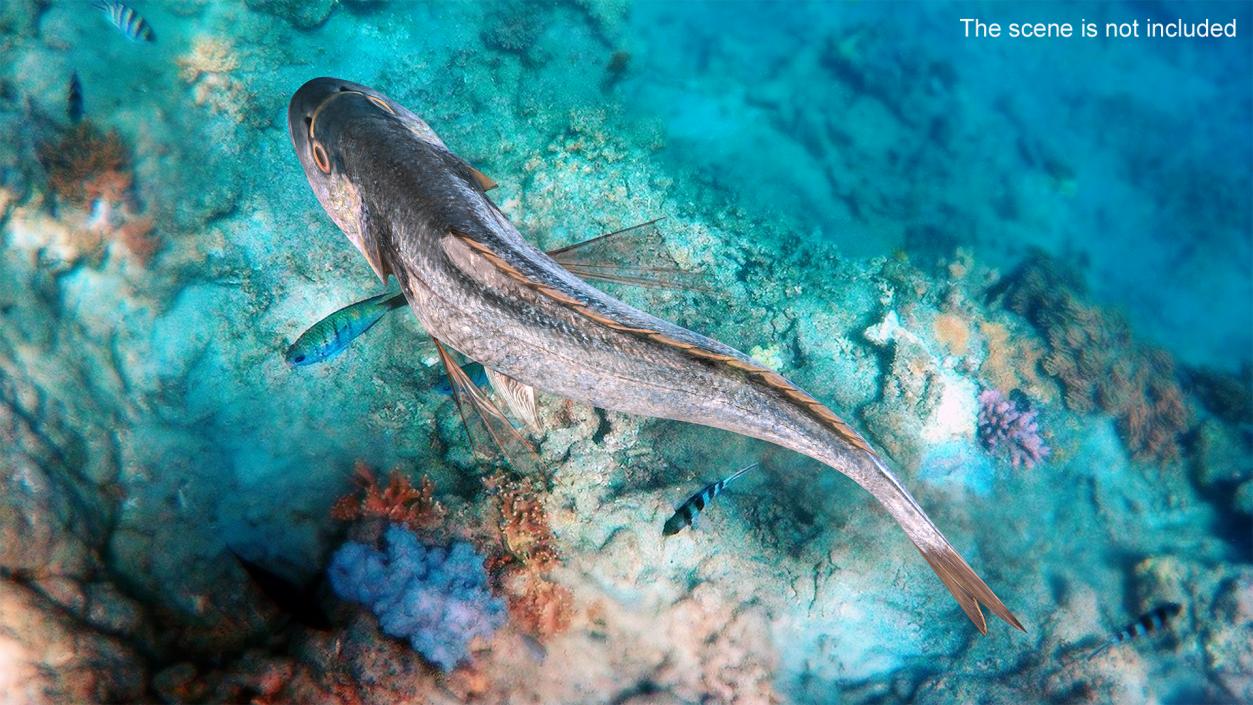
(136, 235)
(399, 502)
(952, 332)
(84, 155)
(537, 605)
(523, 522)
(1099, 366)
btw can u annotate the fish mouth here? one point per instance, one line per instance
(310, 99)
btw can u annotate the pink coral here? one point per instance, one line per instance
(1004, 425)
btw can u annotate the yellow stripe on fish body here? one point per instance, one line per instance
(125, 18)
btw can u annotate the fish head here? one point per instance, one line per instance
(330, 122)
(298, 355)
(673, 525)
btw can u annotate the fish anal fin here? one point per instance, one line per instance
(519, 398)
(492, 437)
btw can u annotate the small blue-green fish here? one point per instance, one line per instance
(476, 372)
(687, 512)
(127, 20)
(74, 99)
(1148, 623)
(329, 336)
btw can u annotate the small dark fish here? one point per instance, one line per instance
(1148, 623)
(687, 512)
(301, 602)
(74, 99)
(127, 20)
(331, 335)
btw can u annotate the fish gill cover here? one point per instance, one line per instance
(894, 216)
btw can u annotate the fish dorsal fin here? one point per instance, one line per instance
(491, 435)
(519, 398)
(635, 256)
(484, 181)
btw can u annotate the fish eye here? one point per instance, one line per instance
(322, 161)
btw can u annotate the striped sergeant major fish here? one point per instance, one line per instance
(418, 212)
(331, 335)
(1148, 623)
(687, 512)
(127, 21)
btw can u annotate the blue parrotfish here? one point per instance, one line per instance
(331, 335)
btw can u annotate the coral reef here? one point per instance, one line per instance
(537, 605)
(304, 14)
(85, 163)
(1006, 427)
(399, 502)
(522, 521)
(435, 597)
(1092, 355)
(209, 69)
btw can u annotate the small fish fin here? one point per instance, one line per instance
(1098, 650)
(519, 398)
(635, 256)
(484, 181)
(737, 473)
(381, 268)
(491, 435)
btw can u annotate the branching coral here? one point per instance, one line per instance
(1005, 426)
(399, 502)
(435, 597)
(523, 523)
(1092, 356)
(536, 604)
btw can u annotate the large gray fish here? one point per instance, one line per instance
(418, 212)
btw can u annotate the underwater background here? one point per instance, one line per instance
(1023, 268)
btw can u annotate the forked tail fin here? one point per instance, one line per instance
(967, 587)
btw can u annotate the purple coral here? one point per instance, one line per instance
(1004, 425)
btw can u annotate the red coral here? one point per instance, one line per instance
(85, 159)
(399, 502)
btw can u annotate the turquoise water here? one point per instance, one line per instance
(895, 217)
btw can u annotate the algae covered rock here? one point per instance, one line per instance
(304, 14)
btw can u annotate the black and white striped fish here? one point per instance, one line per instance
(125, 18)
(687, 512)
(1148, 623)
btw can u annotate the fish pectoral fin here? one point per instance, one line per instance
(635, 256)
(491, 435)
(519, 398)
(484, 181)
(381, 268)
